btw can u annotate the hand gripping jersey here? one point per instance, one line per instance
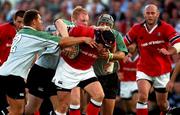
(87, 55)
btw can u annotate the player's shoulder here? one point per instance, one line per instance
(165, 24)
(5, 25)
(34, 33)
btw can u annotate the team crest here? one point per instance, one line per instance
(158, 34)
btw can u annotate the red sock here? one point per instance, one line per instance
(92, 109)
(162, 113)
(37, 113)
(74, 112)
(142, 112)
(141, 109)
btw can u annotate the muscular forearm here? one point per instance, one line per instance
(69, 41)
(118, 55)
(176, 71)
(61, 28)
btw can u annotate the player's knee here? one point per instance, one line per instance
(75, 101)
(143, 98)
(99, 96)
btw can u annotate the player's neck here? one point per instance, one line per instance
(150, 26)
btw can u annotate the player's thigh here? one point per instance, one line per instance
(95, 90)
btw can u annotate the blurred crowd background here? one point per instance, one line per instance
(125, 13)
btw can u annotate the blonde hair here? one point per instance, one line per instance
(78, 10)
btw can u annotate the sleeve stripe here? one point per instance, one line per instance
(127, 38)
(174, 38)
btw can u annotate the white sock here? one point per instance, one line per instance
(96, 102)
(58, 113)
(74, 106)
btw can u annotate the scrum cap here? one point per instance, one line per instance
(106, 18)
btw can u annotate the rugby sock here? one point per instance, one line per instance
(74, 110)
(58, 113)
(93, 107)
(37, 113)
(141, 108)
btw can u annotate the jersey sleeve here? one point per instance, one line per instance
(119, 42)
(172, 35)
(130, 36)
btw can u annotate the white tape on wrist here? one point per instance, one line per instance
(177, 47)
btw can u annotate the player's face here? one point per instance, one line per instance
(18, 23)
(151, 14)
(82, 19)
(38, 23)
(104, 24)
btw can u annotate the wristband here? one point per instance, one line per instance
(110, 57)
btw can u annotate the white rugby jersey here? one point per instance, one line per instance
(26, 44)
(49, 59)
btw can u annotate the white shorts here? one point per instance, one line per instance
(67, 77)
(127, 89)
(157, 82)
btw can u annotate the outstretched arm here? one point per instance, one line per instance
(69, 41)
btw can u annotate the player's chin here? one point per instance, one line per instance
(150, 22)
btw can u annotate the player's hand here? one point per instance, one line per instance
(170, 86)
(164, 51)
(67, 51)
(126, 58)
(71, 52)
(104, 54)
(90, 42)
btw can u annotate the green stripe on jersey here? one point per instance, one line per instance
(40, 34)
(68, 23)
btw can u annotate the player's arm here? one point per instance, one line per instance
(171, 50)
(121, 49)
(69, 41)
(61, 27)
(175, 73)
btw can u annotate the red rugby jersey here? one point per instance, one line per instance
(87, 55)
(152, 62)
(7, 33)
(129, 69)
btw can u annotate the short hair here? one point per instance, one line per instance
(78, 10)
(29, 16)
(19, 13)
